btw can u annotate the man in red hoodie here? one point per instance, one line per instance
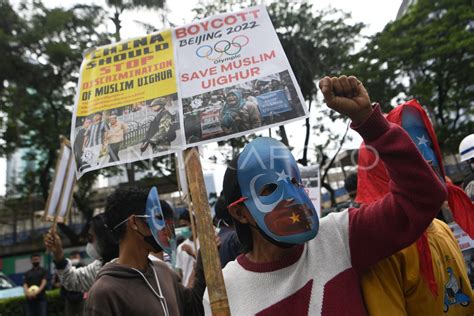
(292, 263)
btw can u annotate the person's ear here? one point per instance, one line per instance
(132, 223)
(239, 213)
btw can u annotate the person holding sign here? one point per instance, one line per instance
(294, 264)
(133, 285)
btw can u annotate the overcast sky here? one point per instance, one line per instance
(375, 13)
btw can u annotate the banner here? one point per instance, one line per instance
(214, 79)
(233, 65)
(127, 106)
(464, 241)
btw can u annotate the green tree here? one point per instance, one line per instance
(41, 53)
(119, 6)
(427, 54)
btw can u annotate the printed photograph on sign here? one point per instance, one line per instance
(127, 133)
(244, 107)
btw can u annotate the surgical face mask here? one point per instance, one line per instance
(270, 183)
(92, 251)
(184, 231)
(75, 262)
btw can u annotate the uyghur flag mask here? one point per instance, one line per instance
(270, 183)
(413, 124)
(162, 229)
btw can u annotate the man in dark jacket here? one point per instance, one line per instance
(133, 285)
(34, 285)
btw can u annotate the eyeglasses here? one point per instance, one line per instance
(125, 220)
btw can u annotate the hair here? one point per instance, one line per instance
(185, 216)
(168, 212)
(35, 255)
(232, 193)
(222, 213)
(109, 248)
(120, 205)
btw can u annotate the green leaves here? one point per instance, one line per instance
(429, 55)
(42, 52)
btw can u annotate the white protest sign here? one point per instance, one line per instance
(234, 77)
(464, 241)
(60, 196)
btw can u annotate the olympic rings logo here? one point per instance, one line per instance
(222, 47)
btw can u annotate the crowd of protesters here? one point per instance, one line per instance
(384, 254)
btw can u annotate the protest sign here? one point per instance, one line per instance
(463, 239)
(211, 80)
(126, 107)
(60, 195)
(233, 65)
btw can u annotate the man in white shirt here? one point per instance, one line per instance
(186, 253)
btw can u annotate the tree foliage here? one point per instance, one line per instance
(427, 54)
(119, 6)
(42, 51)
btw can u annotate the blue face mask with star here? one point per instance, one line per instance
(413, 124)
(161, 228)
(272, 191)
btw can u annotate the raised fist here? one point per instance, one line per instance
(347, 96)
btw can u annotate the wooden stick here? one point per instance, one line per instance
(207, 240)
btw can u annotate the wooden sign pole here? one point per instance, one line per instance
(207, 240)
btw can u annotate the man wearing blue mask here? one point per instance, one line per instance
(133, 285)
(294, 264)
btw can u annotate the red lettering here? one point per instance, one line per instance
(145, 59)
(228, 18)
(205, 25)
(195, 27)
(132, 63)
(242, 16)
(255, 71)
(104, 70)
(184, 77)
(254, 12)
(216, 26)
(181, 32)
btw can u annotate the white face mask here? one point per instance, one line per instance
(75, 262)
(91, 250)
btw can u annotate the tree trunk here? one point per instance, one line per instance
(304, 159)
(116, 20)
(284, 137)
(130, 173)
(332, 194)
